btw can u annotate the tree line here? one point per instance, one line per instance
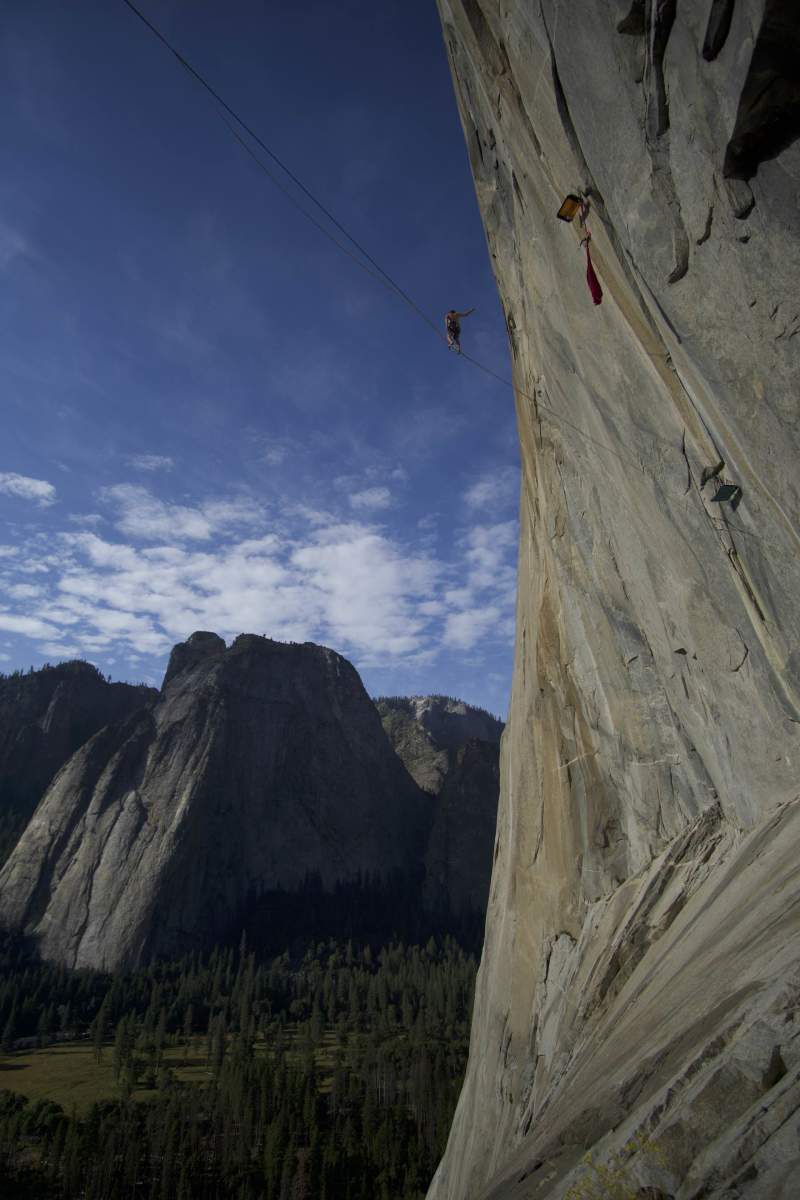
(329, 1072)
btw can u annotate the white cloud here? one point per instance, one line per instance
(151, 462)
(494, 490)
(88, 520)
(488, 552)
(432, 608)
(481, 605)
(30, 626)
(142, 515)
(214, 564)
(372, 499)
(369, 590)
(34, 566)
(372, 474)
(59, 650)
(23, 591)
(463, 630)
(346, 584)
(459, 597)
(38, 490)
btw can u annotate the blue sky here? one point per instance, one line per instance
(212, 419)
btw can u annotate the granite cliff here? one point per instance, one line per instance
(639, 990)
(426, 731)
(45, 716)
(452, 750)
(259, 765)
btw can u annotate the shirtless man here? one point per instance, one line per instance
(453, 327)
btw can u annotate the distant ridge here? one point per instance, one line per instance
(257, 767)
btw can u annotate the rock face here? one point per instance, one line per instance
(427, 730)
(638, 992)
(44, 717)
(257, 765)
(452, 750)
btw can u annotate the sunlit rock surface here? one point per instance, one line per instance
(452, 750)
(640, 982)
(427, 730)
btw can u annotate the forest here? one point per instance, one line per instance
(328, 1070)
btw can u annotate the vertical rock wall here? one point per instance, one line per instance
(452, 751)
(641, 971)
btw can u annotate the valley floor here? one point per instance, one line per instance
(334, 1074)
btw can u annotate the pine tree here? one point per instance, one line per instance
(123, 1046)
(9, 1032)
(44, 1028)
(99, 1028)
(188, 1026)
(218, 1045)
(160, 1036)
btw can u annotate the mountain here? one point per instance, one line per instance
(45, 716)
(426, 730)
(258, 766)
(452, 750)
(637, 996)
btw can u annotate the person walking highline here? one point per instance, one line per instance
(452, 325)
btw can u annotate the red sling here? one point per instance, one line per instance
(591, 278)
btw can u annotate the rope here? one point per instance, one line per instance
(540, 404)
(309, 216)
(378, 273)
(381, 279)
(297, 182)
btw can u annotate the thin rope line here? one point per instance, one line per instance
(317, 224)
(379, 274)
(383, 276)
(298, 182)
(540, 404)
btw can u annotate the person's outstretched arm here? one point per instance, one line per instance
(467, 313)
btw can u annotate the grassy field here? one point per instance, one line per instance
(70, 1074)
